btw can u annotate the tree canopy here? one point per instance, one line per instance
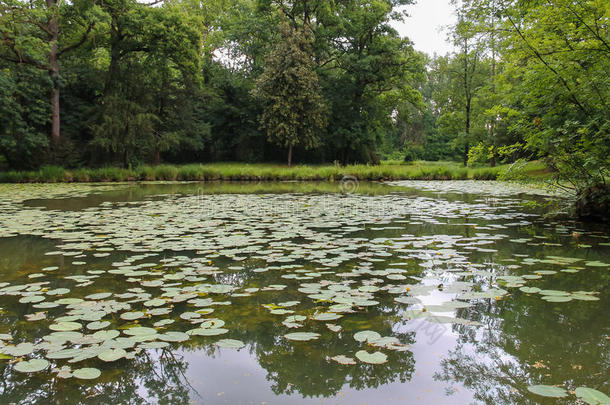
(91, 83)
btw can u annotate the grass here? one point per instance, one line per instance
(265, 172)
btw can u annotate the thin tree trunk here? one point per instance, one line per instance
(289, 155)
(54, 70)
(467, 147)
(492, 123)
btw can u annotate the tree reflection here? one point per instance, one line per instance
(524, 342)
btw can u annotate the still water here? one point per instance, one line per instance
(299, 293)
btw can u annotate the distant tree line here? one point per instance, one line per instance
(92, 82)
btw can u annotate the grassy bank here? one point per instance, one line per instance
(261, 172)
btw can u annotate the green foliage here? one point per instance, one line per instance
(393, 170)
(293, 107)
(480, 154)
(22, 117)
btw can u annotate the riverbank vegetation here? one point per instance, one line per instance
(129, 84)
(274, 172)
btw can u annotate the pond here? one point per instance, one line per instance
(300, 293)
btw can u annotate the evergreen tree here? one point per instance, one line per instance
(294, 113)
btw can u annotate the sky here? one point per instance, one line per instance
(426, 18)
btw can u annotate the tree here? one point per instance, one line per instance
(39, 33)
(559, 59)
(294, 113)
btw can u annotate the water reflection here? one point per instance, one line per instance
(443, 245)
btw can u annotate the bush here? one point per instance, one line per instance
(480, 154)
(166, 172)
(52, 174)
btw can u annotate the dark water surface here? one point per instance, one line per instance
(469, 293)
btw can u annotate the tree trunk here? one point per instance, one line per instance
(289, 155)
(157, 157)
(467, 147)
(54, 70)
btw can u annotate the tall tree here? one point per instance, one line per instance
(39, 33)
(294, 113)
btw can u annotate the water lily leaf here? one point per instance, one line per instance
(592, 396)
(530, 290)
(334, 328)
(163, 322)
(31, 299)
(326, 316)
(98, 296)
(22, 349)
(207, 332)
(106, 334)
(230, 343)
(366, 336)
(302, 336)
(130, 316)
(31, 366)
(173, 337)
(156, 302)
(112, 355)
(65, 326)
(341, 359)
(371, 358)
(154, 345)
(140, 331)
(295, 318)
(555, 298)
(87, 373)
(281, 311)
(548, 391)
(98, 325)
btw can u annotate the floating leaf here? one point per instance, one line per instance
(173, 337)
(548, 391)
(592, 396)
(371, 358)
(207, 332)
(31, 366)
(130, 316)
(98, 325)
(366, 336)
(98, 296)
(530, 290)
(87, 373)
(326, 316)
(230, 343)
(22, 349)
(112, 355)
(65, 326)
(341, 359)
(140, 331)
(302, 336)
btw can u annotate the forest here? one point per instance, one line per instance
(92, 83)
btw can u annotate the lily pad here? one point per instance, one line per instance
(548, 391)
(592, 396)
(302, 336)
(65, 326)
(371, 358)
(112, 355)
(87, 373)
(173, 337)
(366, 336)
(31, 366)
(341, 359)
(326, 316)
(230, 343)
(98, 325)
